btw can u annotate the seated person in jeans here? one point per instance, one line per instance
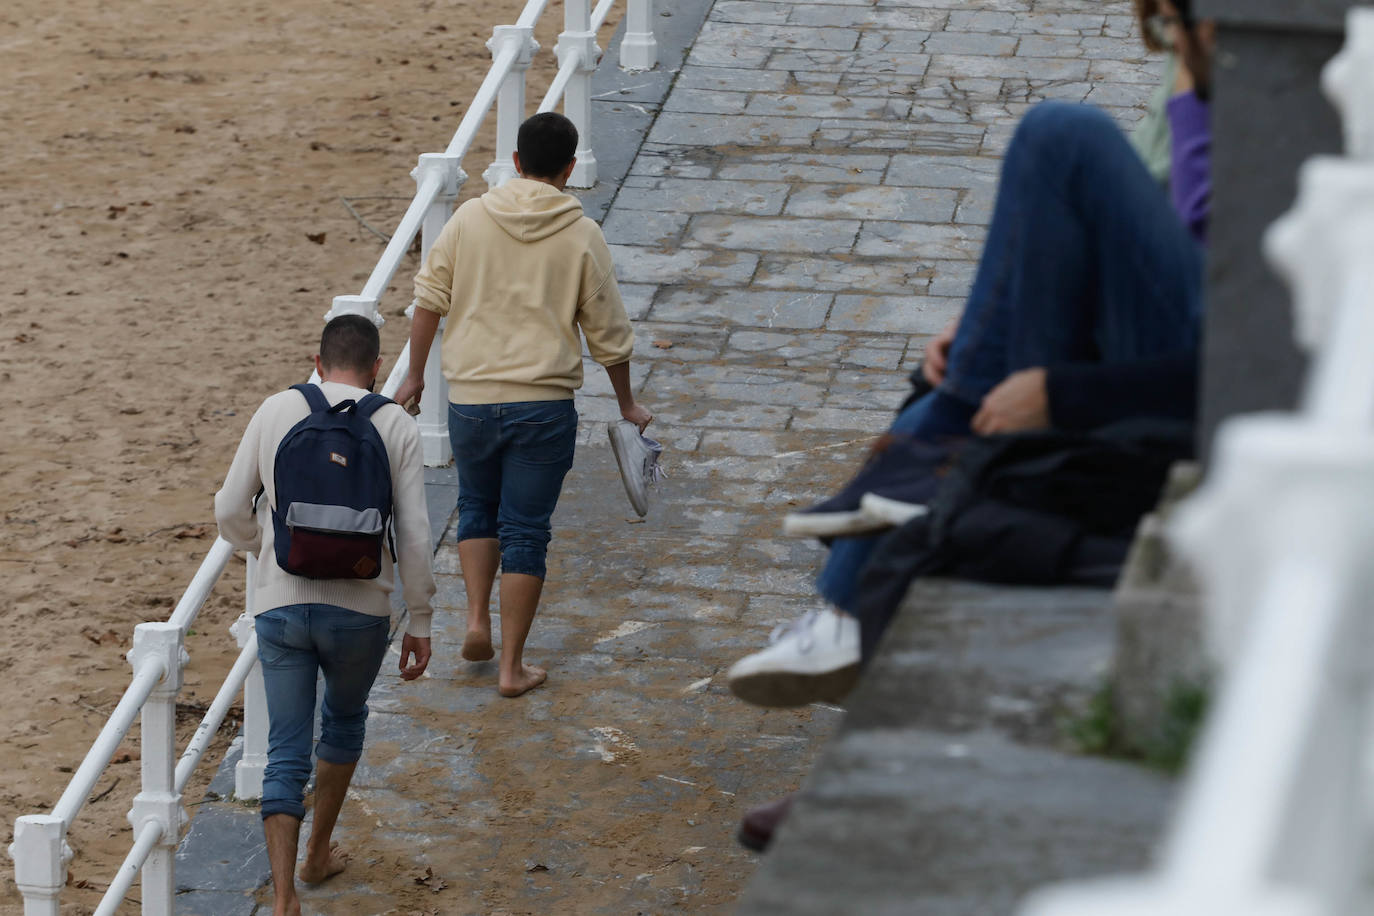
(517, 271)
(1086, 308)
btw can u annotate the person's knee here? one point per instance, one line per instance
(524, 550)
(1054, 129)
(341, 738)
(476, 518)
(283, 785)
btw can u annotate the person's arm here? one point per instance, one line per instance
(423, 326)
(606, 327)
(1190, 176)
(238, 524)
(630, 409)
(1085, 396)
(433, 298)
(414, 556)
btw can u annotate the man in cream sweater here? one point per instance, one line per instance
(517, 272)
(339, 626)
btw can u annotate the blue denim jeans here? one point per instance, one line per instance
(296, 643)
(511, 461)
(1085, 261)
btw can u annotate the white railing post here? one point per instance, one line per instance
(248, 771)
(40, 855)
(579, 39)
(355, 305)
(639, 48)
(510, 100)
(158, 801)
(1347, 80)
(433, 419)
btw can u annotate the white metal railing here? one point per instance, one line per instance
(1275, 814)
(39, 850)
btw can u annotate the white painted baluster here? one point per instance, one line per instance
(510, 101)
(248, 772)
(40, 855)
(639, 48)
(1348, 80)
(158, 801)
(1322, 248)
(433, 418)
(579, 39)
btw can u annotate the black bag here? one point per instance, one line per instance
(1032, 509)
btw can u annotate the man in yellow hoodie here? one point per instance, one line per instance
(517, 272)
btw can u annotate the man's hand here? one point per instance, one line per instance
(1019, 404)
(410, 390)
(937, 354)
(637, 414)
(417, 646)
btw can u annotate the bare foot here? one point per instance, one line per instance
(334, 862)
(293, 908)
(530, 678)
(477, 646)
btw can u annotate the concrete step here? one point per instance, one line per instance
(950, 787)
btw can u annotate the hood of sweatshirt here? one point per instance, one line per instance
(531, 210)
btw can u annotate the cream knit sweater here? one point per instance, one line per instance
(252, 468)
(517, 272)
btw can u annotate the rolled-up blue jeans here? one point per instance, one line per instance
(511, 461)
(295, 644)
(1085, 261)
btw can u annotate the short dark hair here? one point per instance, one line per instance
(546, 143)
(350, 342)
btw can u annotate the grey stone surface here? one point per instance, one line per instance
(1161, 652)
(215, 903)
(223, 850)
(1270, 81)
(962, 801)
(1323, 15)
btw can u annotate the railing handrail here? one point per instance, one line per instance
(40, 849)
(141, 685)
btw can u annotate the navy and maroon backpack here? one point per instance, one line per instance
(333, 485)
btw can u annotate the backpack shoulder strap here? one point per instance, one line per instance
(370, 404)
(313, 396)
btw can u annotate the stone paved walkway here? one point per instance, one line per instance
(806, 210)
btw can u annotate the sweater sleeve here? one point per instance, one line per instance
(1084, 396)
(1190, 181)
(414, 556)
(601, 311)
(434, 282)
(238, 524)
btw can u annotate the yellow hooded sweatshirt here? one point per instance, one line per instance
(517, 271)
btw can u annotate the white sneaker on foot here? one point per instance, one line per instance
(637, 457)
(891, 511)
(815, 657)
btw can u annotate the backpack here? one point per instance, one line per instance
(333, 488)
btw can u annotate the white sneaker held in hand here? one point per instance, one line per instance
(637, 457)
